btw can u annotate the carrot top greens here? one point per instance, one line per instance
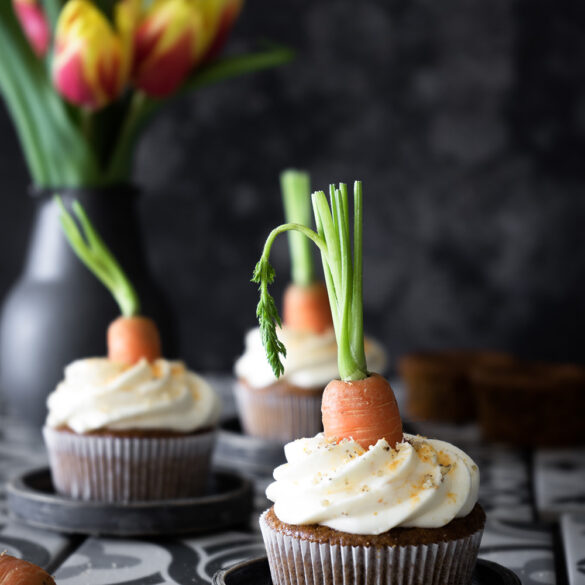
(296, 197)
(93, 252)
(343, 276)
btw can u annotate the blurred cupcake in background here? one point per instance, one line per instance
(131, 426)
(438, 383)
(531, 404)
(289, 407)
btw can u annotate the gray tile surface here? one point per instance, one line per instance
(573, 536)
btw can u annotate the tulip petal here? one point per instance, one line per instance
(34, 24)
(92, 59)
(164, 45)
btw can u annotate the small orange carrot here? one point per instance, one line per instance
(306, 308)
(133, 338)
(15, 571)
(364, 410)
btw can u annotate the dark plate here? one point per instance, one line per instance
(256, 572)
(251, 455)
(228, 502)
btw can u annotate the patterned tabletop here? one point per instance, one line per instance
(535, 502)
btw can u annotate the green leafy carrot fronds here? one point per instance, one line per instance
(93, 252)
(268, 317)
(342, 266)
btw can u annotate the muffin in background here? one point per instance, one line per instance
(532, 404)
(131, 426)
(122, 433)
(438, 383)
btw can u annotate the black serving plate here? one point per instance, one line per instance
(32, 499)
(251, 455)
(256, 572)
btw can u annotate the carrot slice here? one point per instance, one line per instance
(364, 410)
(15, 571)
(306, 308)
(133, 338)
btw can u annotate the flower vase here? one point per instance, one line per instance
(57, 311)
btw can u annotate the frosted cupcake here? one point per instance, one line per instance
(362, 502)
(132, 426)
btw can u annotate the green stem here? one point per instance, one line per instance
(93, 252)
(343, 276)
(296, 196)
(119, 167)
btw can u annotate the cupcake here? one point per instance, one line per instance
(402, 514)
(438, 383)
(533, 404)
(363, 502)
(287, 406)
(131, 426)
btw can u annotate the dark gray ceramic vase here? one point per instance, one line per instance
(57, 311)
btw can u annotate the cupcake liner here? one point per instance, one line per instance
(122, 469)
(277, 414)
(295, 561)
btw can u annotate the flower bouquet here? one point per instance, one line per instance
(81, 78)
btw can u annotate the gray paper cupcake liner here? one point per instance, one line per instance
(122, 469)
(296, 561)
(278, 415)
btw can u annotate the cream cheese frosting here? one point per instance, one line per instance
(310, 362)
(422, 483)
(97, 393)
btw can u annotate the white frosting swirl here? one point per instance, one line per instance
(423, 483)
(310, 362)
(98, 393)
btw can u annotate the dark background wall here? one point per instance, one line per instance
(464, 118)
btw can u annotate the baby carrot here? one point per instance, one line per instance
(15, 571)
(133, 338)
(364, 410)
(306, 308)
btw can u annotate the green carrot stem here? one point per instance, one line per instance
(343, 277)
(296, 197)
(93, 252)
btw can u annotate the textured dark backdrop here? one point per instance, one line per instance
(464, 118)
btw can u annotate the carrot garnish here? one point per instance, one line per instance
(133, 338)
(369, 411)
(306, 308)
(305, 305)
(15, 571)
(130, 337)
(360, 405)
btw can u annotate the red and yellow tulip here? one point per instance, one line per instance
(34, 23)
(166, 45)
(218, 19)
(93, 56)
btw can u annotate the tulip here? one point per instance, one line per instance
(92, 58)
(165, 46)
(218, 19)
(34, 23)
